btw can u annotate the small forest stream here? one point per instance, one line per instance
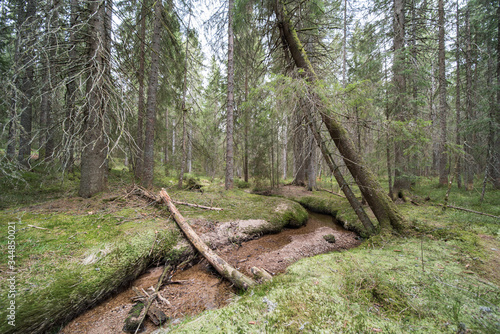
(202, 288)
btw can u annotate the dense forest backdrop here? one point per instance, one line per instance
(219, 89)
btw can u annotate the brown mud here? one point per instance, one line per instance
(202, 288)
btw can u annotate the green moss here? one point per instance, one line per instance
(72, 262)
(361, 291)
(324, 205)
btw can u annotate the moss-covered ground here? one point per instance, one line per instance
(70, 253)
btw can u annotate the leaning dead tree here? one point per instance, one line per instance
(384, 209)
(225, 269)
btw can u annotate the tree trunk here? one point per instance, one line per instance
(184, 113)
(165, 148)
(94, 152)
(247, 125)
(148, 167)
(28, 30)
(458, 141)
(238, 279)
(299, 177)
(384, 209)
(468, 104)
(311, 168)
(401, 171)
(443, 172)
(495, 168)
(353, 201)
(230, 99)
(285, 148)
(140, 105)
(344, 47)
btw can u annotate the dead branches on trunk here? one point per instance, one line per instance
(143, 192)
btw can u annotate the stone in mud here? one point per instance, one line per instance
(329, 238)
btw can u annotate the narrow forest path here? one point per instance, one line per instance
(203, 288)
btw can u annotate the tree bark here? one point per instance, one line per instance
(184, 112)
(401, 171)
(140, 103)
(346, 189)
(95, 149)
(148, 168)
(443, 174)
(384, 209)
(230, 99)
(468, 104)
(28, 30)
(495, 168)
(299, 177)
(458, 140)
(71, 91)
(222, 267)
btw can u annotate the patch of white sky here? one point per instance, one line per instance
(209, 19)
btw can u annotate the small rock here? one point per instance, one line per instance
(329, 238)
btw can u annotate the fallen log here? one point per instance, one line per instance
(225, 269)
(331, 192)
(467, 210)
(198, 206)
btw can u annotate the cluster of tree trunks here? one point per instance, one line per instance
(382, 206)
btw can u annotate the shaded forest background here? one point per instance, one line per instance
(153, 88)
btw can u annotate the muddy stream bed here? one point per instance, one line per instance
(202, 288)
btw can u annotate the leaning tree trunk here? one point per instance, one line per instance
(353, 201)
(384, 209)
(148, 160)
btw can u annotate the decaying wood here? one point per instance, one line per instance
(137, 315)
(331, 192)
(261, 274)
(143, 192)
(198, 206)
(469, 210)
(225, 269)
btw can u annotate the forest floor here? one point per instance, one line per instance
(442, 275)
